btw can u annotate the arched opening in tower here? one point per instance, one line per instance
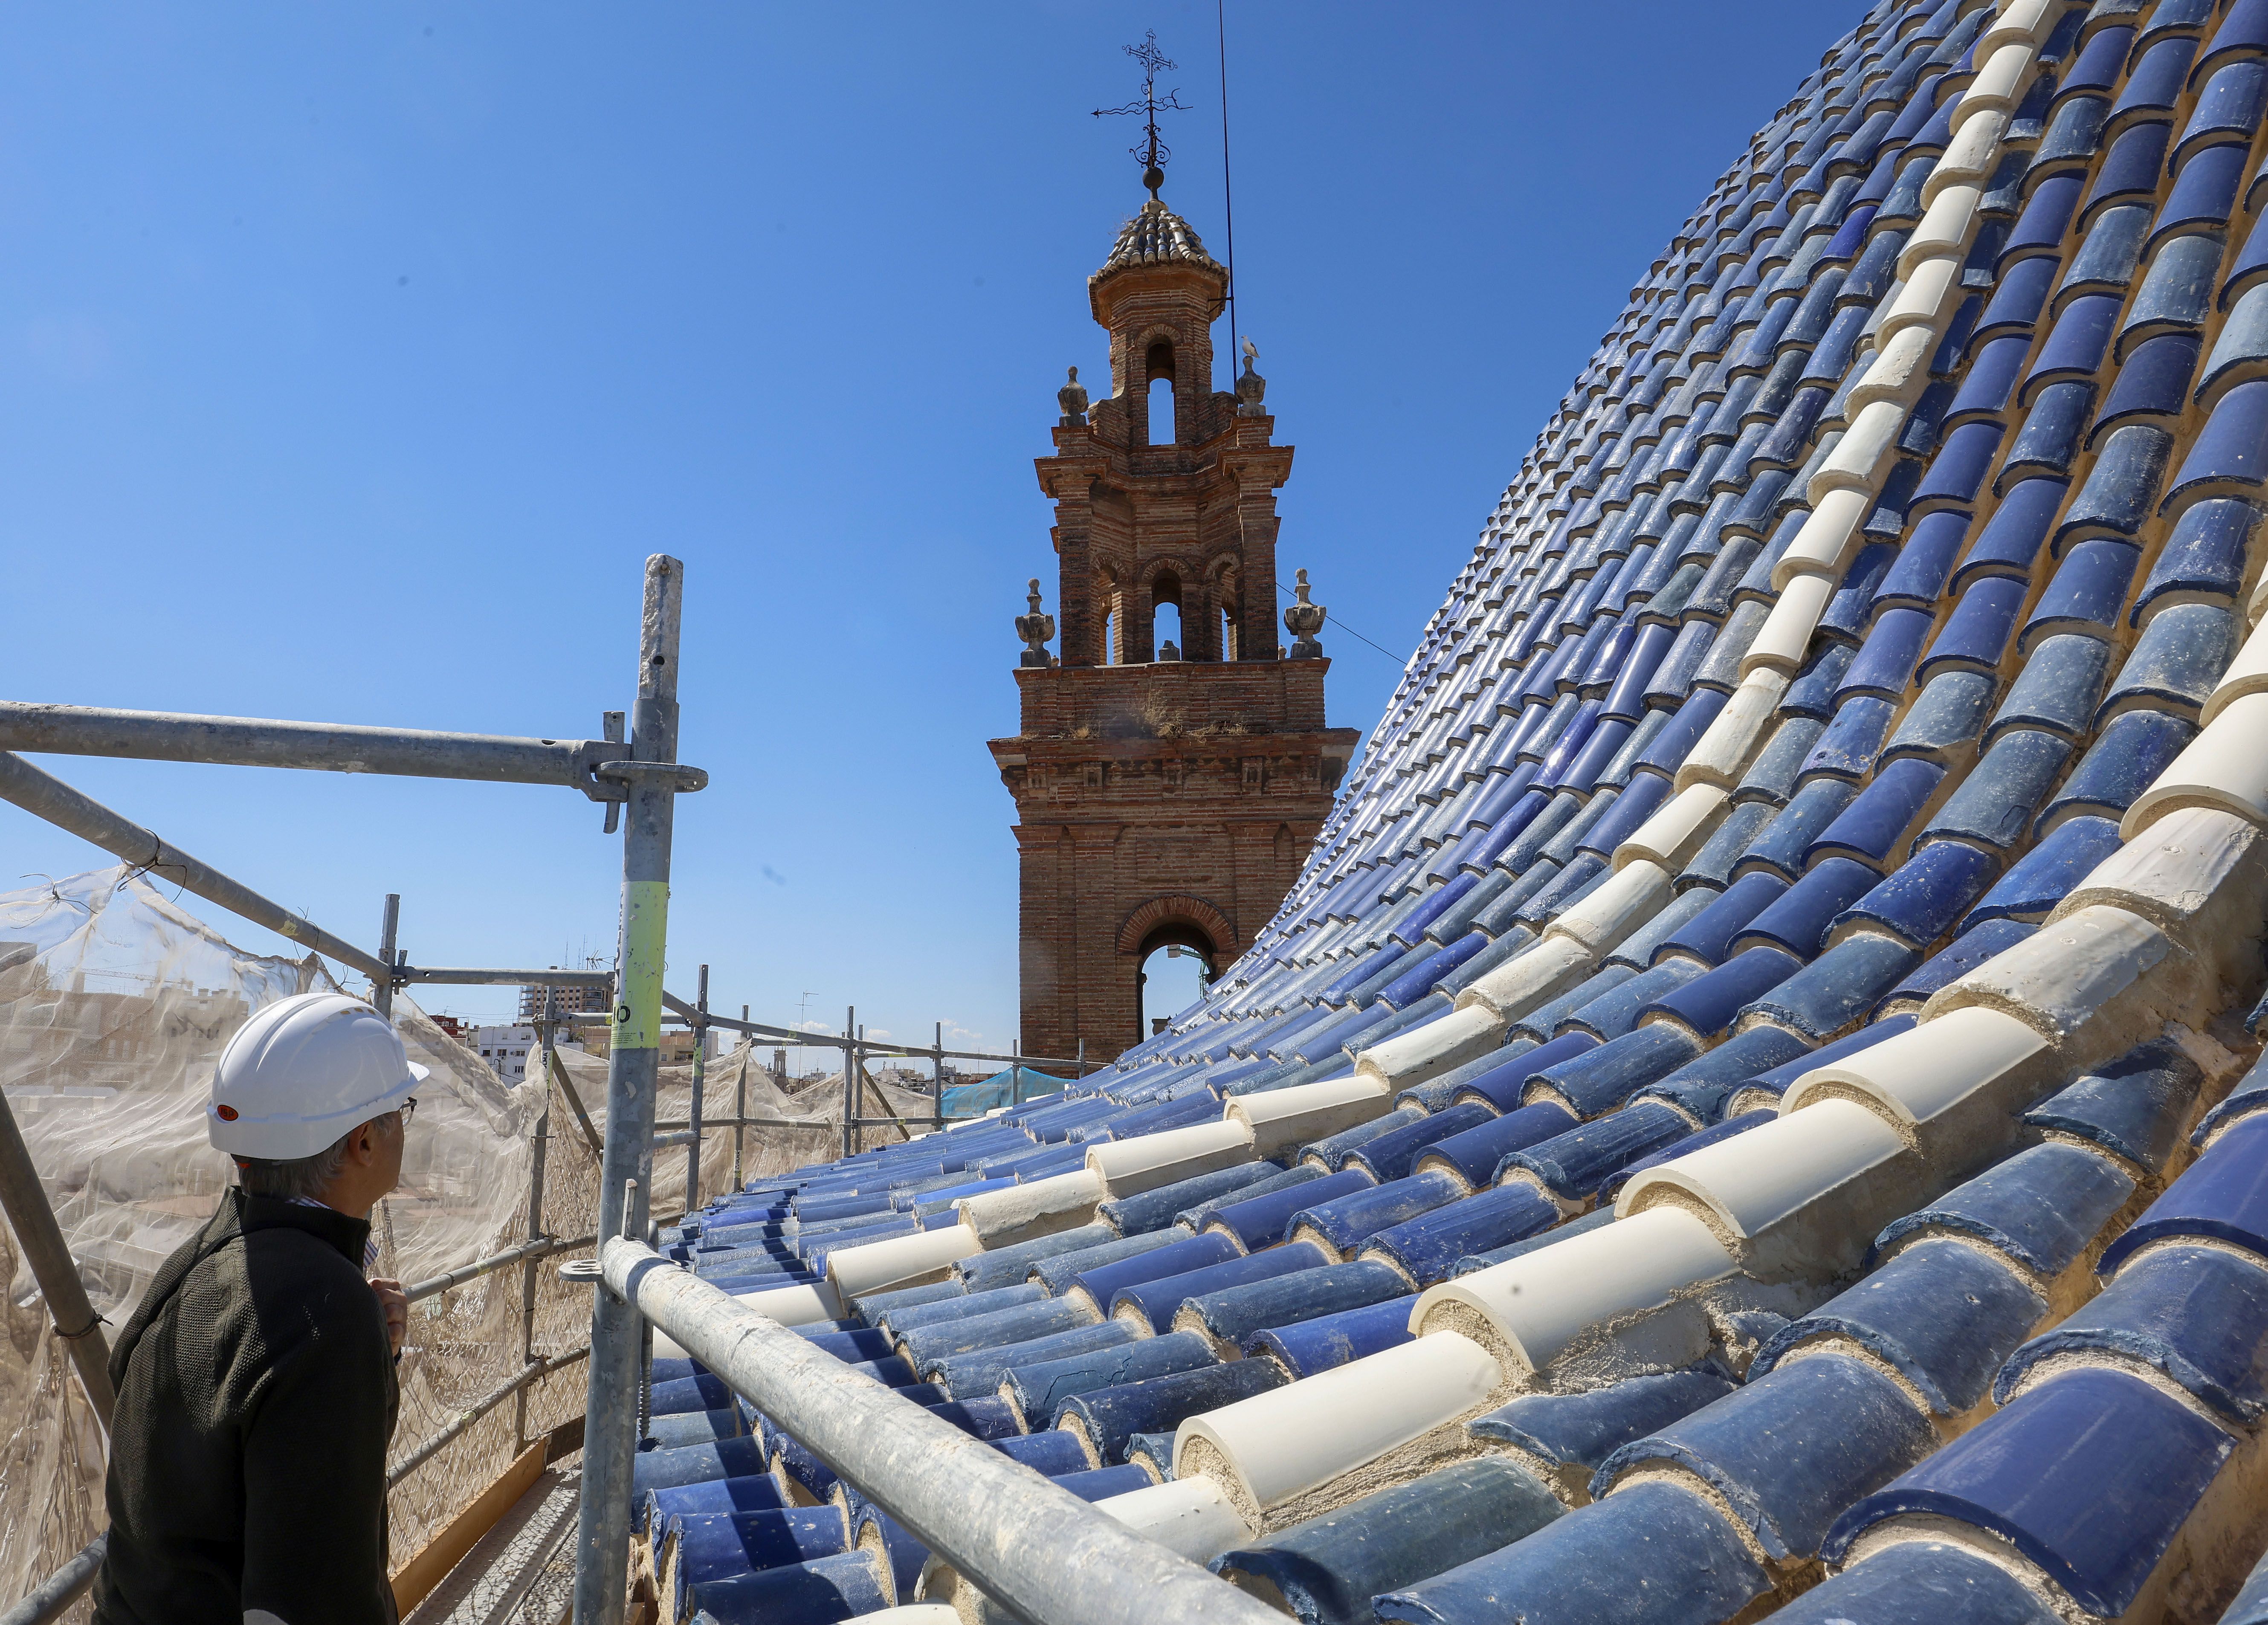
(1177, 962)
(1157, 370)
(1166, 618)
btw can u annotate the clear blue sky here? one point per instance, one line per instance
(359, 355)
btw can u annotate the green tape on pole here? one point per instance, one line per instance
(645, 931)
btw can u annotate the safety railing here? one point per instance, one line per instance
(1037, 1550)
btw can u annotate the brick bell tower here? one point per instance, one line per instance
(1164, 796)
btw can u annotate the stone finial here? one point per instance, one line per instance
(1303, 620)
(1036, 628)
(1251, 388)
(1072, 398)
(1166, 652)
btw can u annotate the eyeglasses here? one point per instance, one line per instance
(409, 1109)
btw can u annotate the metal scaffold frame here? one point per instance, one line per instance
(638, 779)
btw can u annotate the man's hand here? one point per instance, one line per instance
(390, 1299)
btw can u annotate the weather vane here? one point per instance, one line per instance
(1152, 152)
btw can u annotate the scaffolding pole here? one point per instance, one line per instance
(633, 1064)
(693, 1115)
(42, 1241)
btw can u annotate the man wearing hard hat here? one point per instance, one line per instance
(255, 1381)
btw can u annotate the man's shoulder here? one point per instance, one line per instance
(289, 1277)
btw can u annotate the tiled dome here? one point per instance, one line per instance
(1745, 1108)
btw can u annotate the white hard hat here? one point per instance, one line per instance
(302, 1073)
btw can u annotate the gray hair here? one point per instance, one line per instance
(302, 1177)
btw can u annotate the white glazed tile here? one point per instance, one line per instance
(901, 1261)
(1282, 1120)
(1722, 755)
(1027, 1212)
(1824, 544)
(2060, 979)
(1445, 1042)
(1307, 1433)
(1631, 897)
(1542, 973)
(1678, 828)
(1129, 1167)
(1541, 1306)
(1863, 455)
(1786, 632)
(1188, 1516)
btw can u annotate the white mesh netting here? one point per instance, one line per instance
(114, 1003)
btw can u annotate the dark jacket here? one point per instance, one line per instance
(248, 1450)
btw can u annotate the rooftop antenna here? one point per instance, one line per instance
(1152, 153)
(1227, 202)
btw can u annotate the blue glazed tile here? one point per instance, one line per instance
(1885, 661)
(1812, 694)
(2042, 1207)
(2090, 1475)
(1599, 1080)
(2178, 661)
(1941, 1314)
(1328, 1569)
(2107, 257)
(1920, 1583)
(2015, 305)
(1040, 1388)
(1262, 1220)
(1392, 1155)
(1651, 1540)
(1956, 475)
(1236, 1314)
(1875, 827)
(1792, 1449)
(1943, 724)
(2249, 1095)
(2149, 391)
(1835, 990)
(1700, 1090)
(1572, 1166)
(822, 1589)
(2173, 301)
(2074, 353)
(1549, 1020)
(2132, 1106)
(2223, 1197)
(1427, 1248)
(2050, 439)
(1924, 897)
(2039, 230)
(1995, 803)
(1797, 922)
(2045, 876)
(2087, 591)
(1852, 741)
(1691, 720)
(1501, 1086)
(1707, 1006)
(1845, 616)
(2135, 747)
(2063, 680)
(2121, 491)
(1330, 1340)
(2012, 537)
(2228, 454)
(1474, 1153)
(1700, 1141)
(2196, 1315)
(1581, 1430)
(1780, 849)
(1919, 574)
(2101, 62)
(1160, 1299)
(2204, 189)
(2203, 560)
(1112, 1416)
(2131, 168)
(1770, 778)
(1645, 796)
(1989, 386)
(2074, 134)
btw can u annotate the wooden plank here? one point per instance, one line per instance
(415, 1579)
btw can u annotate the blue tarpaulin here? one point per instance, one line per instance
(1017, 1083)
